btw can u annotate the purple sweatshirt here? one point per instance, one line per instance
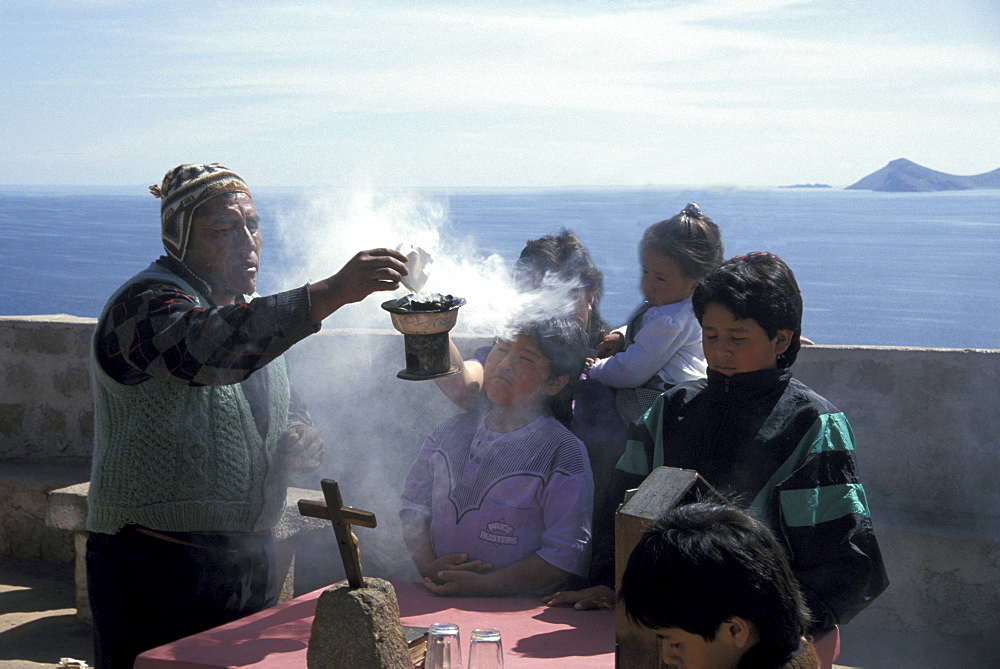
(500, 497)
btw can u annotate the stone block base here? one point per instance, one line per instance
(358, 627)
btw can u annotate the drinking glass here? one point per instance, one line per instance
(485, 650)
(444, 649)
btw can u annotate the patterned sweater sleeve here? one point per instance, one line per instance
(156, 330)
(825, 524)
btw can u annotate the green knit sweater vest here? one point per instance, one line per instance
(184, 458)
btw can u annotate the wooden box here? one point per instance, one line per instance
(665, 487)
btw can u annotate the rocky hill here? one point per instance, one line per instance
(904, 175)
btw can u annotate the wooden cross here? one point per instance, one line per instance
(342, 518)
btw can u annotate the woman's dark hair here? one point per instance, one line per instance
(564, 344)
(564, 256)
(690, 239)
(758, 286)
(704, 563)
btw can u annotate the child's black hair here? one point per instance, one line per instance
(564, 256)
(704, 563)
(758, 286)
(564, 344)
(690, 239)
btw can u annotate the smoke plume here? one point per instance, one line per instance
(373, 423)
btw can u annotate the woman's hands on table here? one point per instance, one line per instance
(531, 575)
(447, 565)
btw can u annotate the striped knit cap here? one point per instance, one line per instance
(184, 189)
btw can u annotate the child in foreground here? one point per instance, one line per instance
(661, 345)
(715, 584)
(761, 437)
(499, 501)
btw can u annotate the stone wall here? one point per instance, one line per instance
(45, 399)
(926, 421)
(46, 428)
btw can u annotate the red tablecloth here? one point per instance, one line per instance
(533, 635)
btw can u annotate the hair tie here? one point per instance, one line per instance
(691, 209)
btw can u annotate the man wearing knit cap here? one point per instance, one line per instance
(196, 425)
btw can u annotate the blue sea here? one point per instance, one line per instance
(887, 269)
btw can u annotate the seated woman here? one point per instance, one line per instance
(499, 500)
(559, 266)
(715, 584)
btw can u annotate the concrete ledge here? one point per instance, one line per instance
(24, 507)
(67, 511)
(67, 508)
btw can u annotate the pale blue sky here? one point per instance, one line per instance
(411, 94)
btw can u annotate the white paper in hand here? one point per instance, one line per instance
(417, 260)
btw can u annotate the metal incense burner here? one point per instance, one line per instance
(425, 322)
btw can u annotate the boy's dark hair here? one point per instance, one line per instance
(758, 286)
(565, 256)
(564, 344)
(704, 563)
(690, 239)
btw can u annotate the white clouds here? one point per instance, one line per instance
(507, 86)
(642, 61)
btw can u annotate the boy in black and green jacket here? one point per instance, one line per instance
(766, 440)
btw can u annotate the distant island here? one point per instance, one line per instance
(905, 176)
(807, 186)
